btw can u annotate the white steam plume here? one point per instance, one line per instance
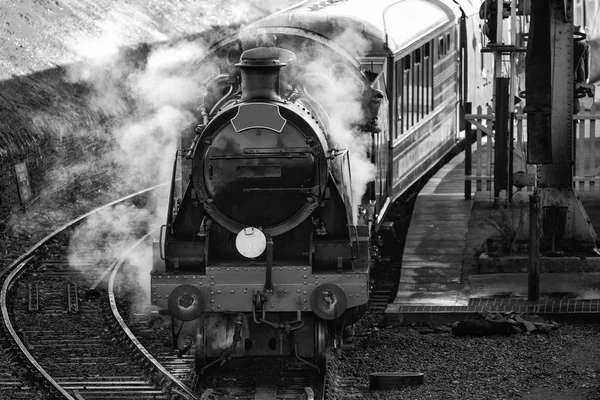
(150, 101)
(341, 97)
(150, 106)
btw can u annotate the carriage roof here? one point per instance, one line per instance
(405, 21)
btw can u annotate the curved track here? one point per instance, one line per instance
(65, 338)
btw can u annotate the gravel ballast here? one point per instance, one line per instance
(560, 365)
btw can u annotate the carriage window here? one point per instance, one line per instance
(407, 92)
(428, 85)
(431, 81)
(444, 72)
(404, 72)
(414, 90)
(416, 87)
(399, 98)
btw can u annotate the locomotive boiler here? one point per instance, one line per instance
(262, 255)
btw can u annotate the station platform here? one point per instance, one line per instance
(447, 275)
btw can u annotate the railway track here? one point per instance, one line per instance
(65, 337)
(263, 378)
(384, 280)
(384, 285)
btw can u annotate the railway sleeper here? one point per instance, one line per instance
(72, 298)
(33, 303)
(110, 386)
(118, 395)
(102, 381)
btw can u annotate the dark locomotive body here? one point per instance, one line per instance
(267, 249)
(264, 237)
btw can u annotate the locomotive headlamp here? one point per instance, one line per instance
(250, 242)
(186, 303)
(328, 301)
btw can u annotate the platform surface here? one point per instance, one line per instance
(437, 275)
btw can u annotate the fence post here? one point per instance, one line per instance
(468, 155)
(511, 156)
(580, 155)
(490, 151)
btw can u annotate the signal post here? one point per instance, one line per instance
(561, 220)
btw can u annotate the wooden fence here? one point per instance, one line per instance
(481, 152)
(587, 152)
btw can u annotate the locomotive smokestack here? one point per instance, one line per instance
(260, 72)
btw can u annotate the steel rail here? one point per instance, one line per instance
(73, 222)
(19, 264)
(113, 305)
(15, 336)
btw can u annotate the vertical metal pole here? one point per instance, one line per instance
(513, 80)
(511, 155)
(498, 54)
(533, 284)
(513, 23)
(269, 270)
(468, 156)
(499, 17)
(513, 69)
(501, 145)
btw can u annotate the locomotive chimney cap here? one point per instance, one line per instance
(266, 57)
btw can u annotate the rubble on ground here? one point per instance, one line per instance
(508, 323)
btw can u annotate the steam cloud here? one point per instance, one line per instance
(151, 102)
(148, 99)
(339, 91)
(151, 105)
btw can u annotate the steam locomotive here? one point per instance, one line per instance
(315, 120)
